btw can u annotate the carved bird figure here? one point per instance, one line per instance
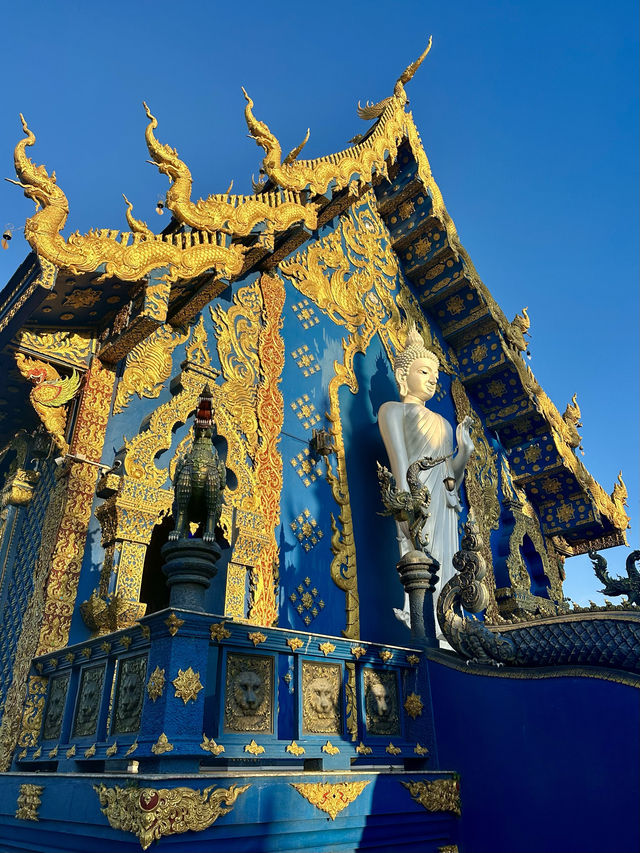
(49, 394)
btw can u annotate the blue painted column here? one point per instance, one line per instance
(179, 644)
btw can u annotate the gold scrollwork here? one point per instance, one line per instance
(151, 813)
(148, 365)
(29, 800)
(330, 797)
(73, 349)
(443, 795)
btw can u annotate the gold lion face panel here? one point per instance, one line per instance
(130, 694)
(381, 702)
(321, 698)
(88, 704)
(248, 703)
(55, 707)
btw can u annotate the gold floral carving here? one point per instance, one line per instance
(392, 750)
(268, 461)
(420, 750)
(330, 797)
(257, 637)
(413, 660)
(294, 749)
(151, 813)
(187, 685)
(218, 632)
(330, 749)
(29, 800)
(209, 745)
(294, 643)
(162, 745)
(358, 651)
(148, 365)
(186, 255)
(385, 655)
(279, 209)
(326, 648)
(53, 752)
(131, 749)
(173, 623)
(90, 752)
(443, 795)
(254, 748)
(413, 705)
(362, 749)
(50, 394)
(73, 349)
(111, 750)
(69, 753)
(481, 484)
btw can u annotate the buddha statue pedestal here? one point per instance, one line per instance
(418, 574)
(190, 566)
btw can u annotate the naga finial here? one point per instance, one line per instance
(293, 154)
(572, 413)
(517, 329)
(136, 225)
(371, 110)
(261, 133)
(619, 494)
(163, 156)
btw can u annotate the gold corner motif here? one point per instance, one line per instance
(173, 623)
(151, 813)
(330, 798)
(443, 795)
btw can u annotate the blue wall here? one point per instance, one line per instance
(546, 764)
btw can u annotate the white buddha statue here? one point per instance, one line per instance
(410, 432)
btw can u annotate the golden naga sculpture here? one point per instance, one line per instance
(517, 329)
(237, 214)
(186, 255)
(371, 111)
(49, 395)
(571, 418)
(362, 160)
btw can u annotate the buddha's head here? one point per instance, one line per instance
(416, 370)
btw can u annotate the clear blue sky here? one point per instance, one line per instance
(527, 110)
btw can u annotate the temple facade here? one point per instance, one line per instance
(258, 692)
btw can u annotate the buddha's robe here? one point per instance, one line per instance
(410, 432)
